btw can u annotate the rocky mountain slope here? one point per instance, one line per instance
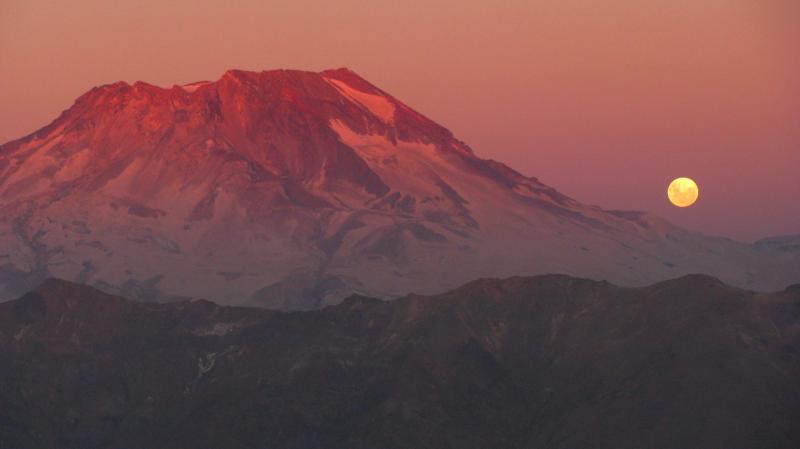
(293, 189)
(540, 362)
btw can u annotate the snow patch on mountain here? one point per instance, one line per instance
(194, 86)
(376, 104)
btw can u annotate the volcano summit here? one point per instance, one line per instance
(292, 189)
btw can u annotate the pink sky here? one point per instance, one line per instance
(606, 101)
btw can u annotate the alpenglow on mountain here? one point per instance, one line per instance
(293, 189)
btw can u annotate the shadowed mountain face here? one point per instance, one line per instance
(292, 189)
(549, 361)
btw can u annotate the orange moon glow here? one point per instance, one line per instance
(682, 192)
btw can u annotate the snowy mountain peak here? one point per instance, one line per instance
(292, 189)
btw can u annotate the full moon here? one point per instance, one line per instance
(682, 192)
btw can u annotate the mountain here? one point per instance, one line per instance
(293, 189)
(548, 361)
(786, 244)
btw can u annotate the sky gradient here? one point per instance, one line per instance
(605, 101)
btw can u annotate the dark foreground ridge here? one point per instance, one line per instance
(540, 362)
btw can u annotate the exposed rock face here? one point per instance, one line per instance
(548, 361)
(294, 189)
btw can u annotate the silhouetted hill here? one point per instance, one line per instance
(540, 362)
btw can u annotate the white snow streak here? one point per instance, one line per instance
(376, 104)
